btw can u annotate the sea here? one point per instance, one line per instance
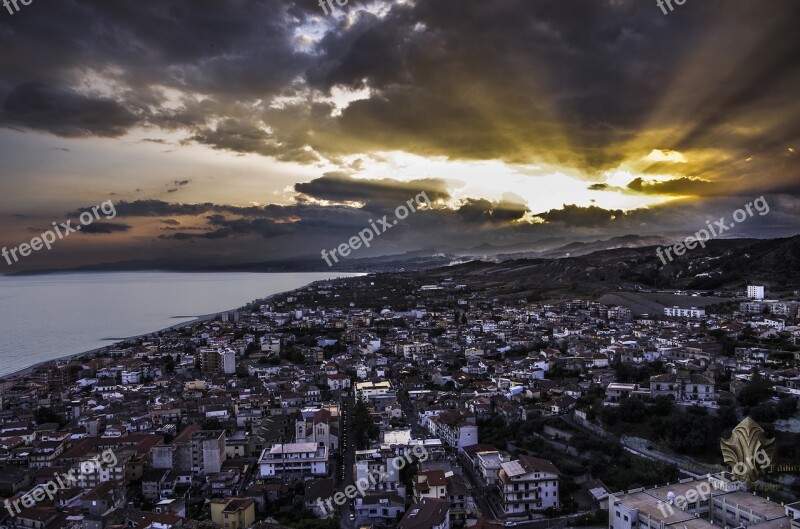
(46, 317)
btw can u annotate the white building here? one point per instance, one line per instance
(487, 465)
(693, 312)
(456, 428)
(683, 386)
(365, 390)
(295, 460)
(228, 361)
(528, 484)
(755, 291)
(131, 377)
(698, 504)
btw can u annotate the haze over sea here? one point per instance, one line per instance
(46, 317)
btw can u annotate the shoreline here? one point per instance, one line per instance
(23, 372)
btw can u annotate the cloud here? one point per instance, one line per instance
(576, 216)
(509, 209)
(341, 188)
(678, 186)
(105, 227)
(64, 113)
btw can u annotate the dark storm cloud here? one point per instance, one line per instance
(678, 186)
(64, 113)
(570, 82)
(105, 227)
(481, 210)
(576, 216)
(340, 187)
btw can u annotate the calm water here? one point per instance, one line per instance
(50, 316)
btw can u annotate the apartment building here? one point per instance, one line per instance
(207, 451)
(755, 291)
(381, 509)
(697, 504)
(365, 390)
(487, 465)
(528, 484)
(294, 460)
(678, 312)
(456, 428)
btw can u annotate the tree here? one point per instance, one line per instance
(364, 428)
(755, 392)
(45, 415)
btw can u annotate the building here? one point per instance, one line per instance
(683, 386)
(294, 460)
(338, 381)
(752, 307)
(320, 428)
(427, 514)
(381, 509)
(233, 513)
(456, 428)
(678, 312)
(697, 504)
(430, 484)
(755, 291)
(207, 451)
(528, 484)
(217, 360)
(365, 390)
(487, 465)
(415, 349)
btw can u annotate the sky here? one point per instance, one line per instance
(254, 130)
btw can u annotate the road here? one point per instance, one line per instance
(347, 450)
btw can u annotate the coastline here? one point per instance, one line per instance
(23, 372)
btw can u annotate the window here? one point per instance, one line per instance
(625, 517)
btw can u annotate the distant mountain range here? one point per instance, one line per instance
(413, 260)
(627, 262)
(723, 264)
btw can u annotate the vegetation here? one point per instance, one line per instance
(364, 428)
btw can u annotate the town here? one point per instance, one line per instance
(392, 401)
